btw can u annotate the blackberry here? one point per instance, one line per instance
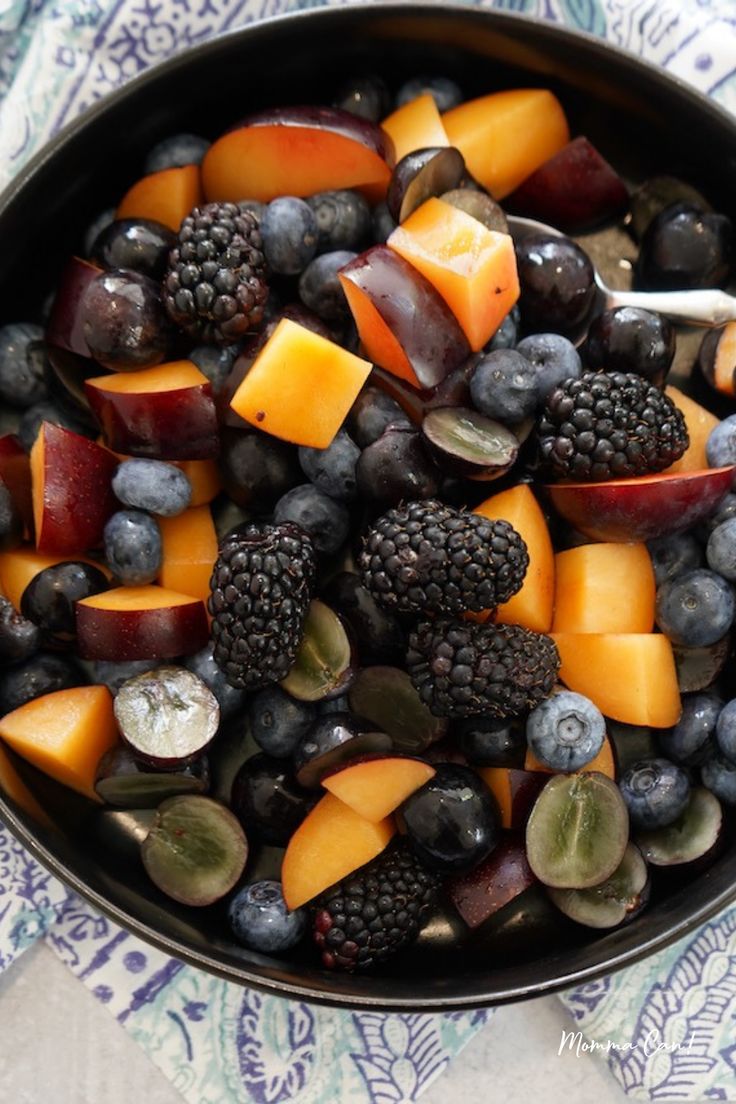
(368, 916)
(426, 557)
(261, 587)
(215, 287)
(461, 669)
(609, 425)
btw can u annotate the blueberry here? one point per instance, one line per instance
(656, 792)
(672, 556)
(504, 386)
(557, 283)
(278, 722)
(555, 359)
(214, 363)
(726, 731)
(488, 742)
(332, 470)
(202, 664)
(47, 411)
(95, 228)
(113, 673)
(11, 523)
(685, 247)
(289, 231)
(629, 339)
(21, 375)
(507, 333)
(139, 244)
(259, 918)
(152, 485)
(695, 609)
(691, 741)
(445, 92)
(320, 289)
(326, 521)
(371, 413)
(42, 673)
(19, 637)
(365, 96)
(49, 599)
(383, 223)
(133, 549)
(725, 509)
(721, 550)
(451, 821)
(720, 448)
(566, 731)
(343, 219)
(176, 151)
(719, 776)
(256, 468)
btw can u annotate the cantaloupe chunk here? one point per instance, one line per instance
(604, 762)
(631, 677)
(300, 386)
(416, 125)
(166, 196)
(376, 787)
(204, 476)
(604, 588)
(700, 422)
(189, 551)
(505, 136)
(329, 844)
(532, 606)
(20, 565)
(64, 734)
(473, 268)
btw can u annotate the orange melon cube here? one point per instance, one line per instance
(532, 606)
(189, 551)
(20, 565)
(376, 787)
(329, 844)
(416, 125)
(64, 734)
(505, 136)
(631, 677)
(604, 762)
(166, 196)
(473, 268)
(204, 476)
(699, 422)
(300, 386)
(604, 588)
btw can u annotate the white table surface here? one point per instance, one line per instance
(58, 1044)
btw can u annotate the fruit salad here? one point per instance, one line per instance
(352, 547)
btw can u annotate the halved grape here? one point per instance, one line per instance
(698, 668)
(421, 174)
(195, 850)
(467, 443)
(386, 697)
(324, 666)
(129, 783)
(167, 715)
(620, 897)
(577, 830)
(690, 837)
(480, 206)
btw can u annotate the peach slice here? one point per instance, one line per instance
(532, 606)
(300, 386)
(166, 412)
(505, 136)
(416, 125)
(189, 551)
(717, 358)
(643, 507)
(64, 734)
(298, 151)
(631, 677)
(699, 422)
(604, 762)
(604, 588)
(376, 787)
(166, 196)
(204, 476)
(473, 268)
(146, 622)
(515, 792)
(71, 480)
(20, 565)
(329, 844)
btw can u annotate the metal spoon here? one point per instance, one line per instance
(706, 307)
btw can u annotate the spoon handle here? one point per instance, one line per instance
(709, 307)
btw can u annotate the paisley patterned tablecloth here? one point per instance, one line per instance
(667, 1027)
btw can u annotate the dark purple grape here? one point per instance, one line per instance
(452, 821)
(141, 245)
(379, 635)
(367, 97)
(124, 322)
(19, 637)
(397, 466)
(257, 469)
(268, 801)
(557, 283)
(685, 247)
(50, 597)
(333, 741)
(42, 673)
(371, 413)
(11, 523)
(629, 339)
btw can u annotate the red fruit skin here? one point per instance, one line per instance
(641, 508)
(573, 191)
(331, 119)
(120, 635)
(77, 493)
(65, 327)
(15, 472)
(163, 425)
(505, 874)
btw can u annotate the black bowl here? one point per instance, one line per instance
(644, 122)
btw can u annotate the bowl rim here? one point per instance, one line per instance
(554, 979)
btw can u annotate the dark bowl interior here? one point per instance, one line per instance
(644, 122)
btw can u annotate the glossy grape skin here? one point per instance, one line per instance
(452, 822)
(268, 801)
(629, 339)
(557, 284)
(124, 322)
(50, 597)
(141, 245)
(685, 247)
